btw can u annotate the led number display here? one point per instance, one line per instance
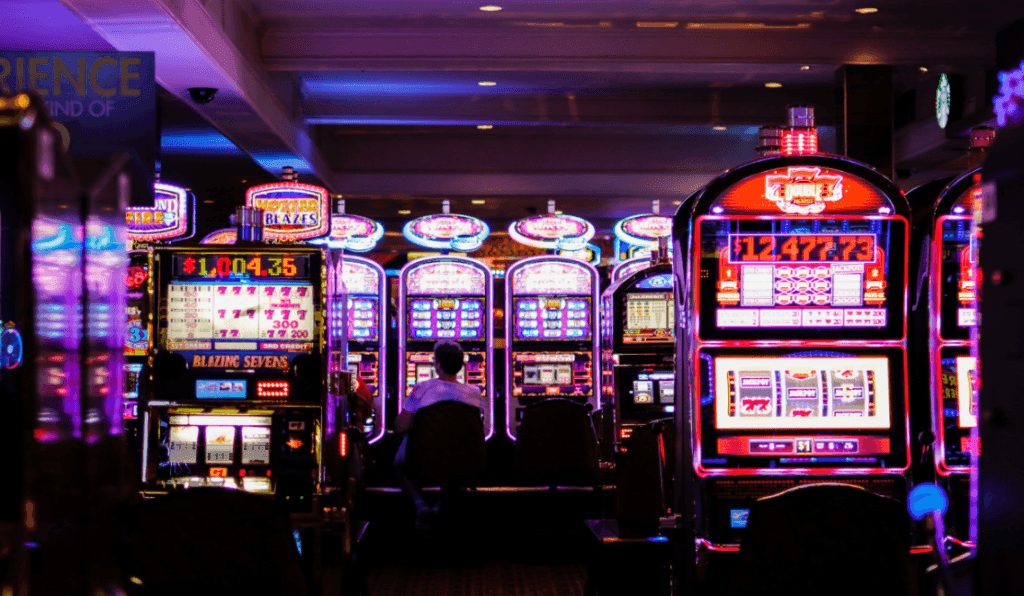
(799, 274)
(232, 312)
(801, 393)
(445, 318)
(240, 265)
(552, 318)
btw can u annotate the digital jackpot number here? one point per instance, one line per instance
(801, 249)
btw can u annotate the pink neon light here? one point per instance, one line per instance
(800, 141)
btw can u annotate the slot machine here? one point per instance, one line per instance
(447, 297)
(171, 218)
(638, 319)
(795, 345)
(952, 305)
(551, 339)
(366, 333)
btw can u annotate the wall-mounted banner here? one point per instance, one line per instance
(172, 215)
(643, 230)
(292, 211)
(591, 253)
(102, 102)
(221, 236)
(554, 231)
(354, 233)
(448, 231)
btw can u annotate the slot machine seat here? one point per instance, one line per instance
(446, 444)
(557, 444)
(215, 541)
(643, 490)
(828, 538)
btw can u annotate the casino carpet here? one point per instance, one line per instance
(497, 578)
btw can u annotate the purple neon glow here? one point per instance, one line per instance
(1009, 103)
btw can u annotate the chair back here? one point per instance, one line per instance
(446, 444)
(556, 443)
(811, 539)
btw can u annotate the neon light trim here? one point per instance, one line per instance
(171, 216)
(292, 211)
(448, 231)
(643, 230)
(553, 231)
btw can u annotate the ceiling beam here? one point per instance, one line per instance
(594, 184)
(213, 44)
(554, 49)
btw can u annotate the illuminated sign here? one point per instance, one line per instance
(943, 99)
(590, 254)
(447, 231)
(1009, 103)
(292, 211)
(240, 265)
(171, 216)
(643, 230)
(222, 236)
(563, 232)
(803, 190)
(354, 233)
(445, 278)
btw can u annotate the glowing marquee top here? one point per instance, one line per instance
(359, 278)
(548, 277)
(643, 230)
(171, 216)
(553, 230)
(447, 231)
(221, 236)
(802, 190)
(445, 278)
(354, 233)
(292, 211)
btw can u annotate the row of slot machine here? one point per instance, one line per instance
(780, 328)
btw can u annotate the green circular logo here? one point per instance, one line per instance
(943, 95)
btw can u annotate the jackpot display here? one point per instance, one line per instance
(446, 298)
(638, 323)
(241, 353)
(797, 352)
(364, 284)
(551, 339)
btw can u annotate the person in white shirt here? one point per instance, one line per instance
(448, 361)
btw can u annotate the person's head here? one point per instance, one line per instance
(448, 358)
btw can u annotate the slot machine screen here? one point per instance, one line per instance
(132, 381)
(650, 318)
(426, 371)
(253, 302)
(654, 388)
(957, 279)
(448, 317)
(552, 318)
(801, 278)
(363, 322)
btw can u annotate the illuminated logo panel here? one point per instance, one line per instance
(292, 211)
(171, 216)
(447, 231)
(801, 393)
(355, 233)
(552, 231)
(359, 278)
(803, 191)
(222, 236)
(643, 230)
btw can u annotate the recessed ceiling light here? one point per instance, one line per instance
(404, 212)
(805, 67)
(487, 83)
(478, 201)
(923, 69)
(208, 202)
(657, 24)
(773, 85)
(558, 213)
(490, 8)
(718, 128)
(677, 202)
(485, 126)
(867, 10)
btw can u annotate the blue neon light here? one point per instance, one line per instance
(926, 499)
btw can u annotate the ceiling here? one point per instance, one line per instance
(603, 105)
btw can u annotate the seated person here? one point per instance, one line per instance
(448, 361)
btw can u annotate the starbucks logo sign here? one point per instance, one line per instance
(943, 99)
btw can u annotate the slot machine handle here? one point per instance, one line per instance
(928, 503)
(927, 440)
